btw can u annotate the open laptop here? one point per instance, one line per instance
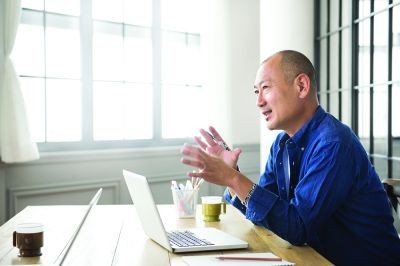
(209, 238)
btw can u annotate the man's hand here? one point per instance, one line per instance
(211, 168)
(214, 145)
(215, 170)
(216, 163)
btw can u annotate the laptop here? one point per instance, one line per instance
(61, 257)
(200, 239)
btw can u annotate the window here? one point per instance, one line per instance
(365, 35)
(97, 74)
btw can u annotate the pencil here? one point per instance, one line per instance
(248, 258)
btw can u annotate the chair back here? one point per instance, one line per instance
(392, 188)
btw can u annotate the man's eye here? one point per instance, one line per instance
(256, 91)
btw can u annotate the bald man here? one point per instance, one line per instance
(319, 187)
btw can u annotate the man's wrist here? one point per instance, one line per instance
(240, 185)
(245, 202)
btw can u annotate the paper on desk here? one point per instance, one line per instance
(212, 260)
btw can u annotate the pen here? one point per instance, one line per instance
(223, 145)
(248, 258)
(220, 142)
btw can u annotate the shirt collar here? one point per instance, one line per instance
(300, 136)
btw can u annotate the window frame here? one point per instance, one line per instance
(356, 87)
(87, 141)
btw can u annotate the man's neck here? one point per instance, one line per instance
(303, 118)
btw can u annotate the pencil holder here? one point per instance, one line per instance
(185, 202)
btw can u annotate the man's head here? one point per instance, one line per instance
(286, 90)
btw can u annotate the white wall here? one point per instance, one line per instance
(233, 43)
(245, 42)
(285, 24)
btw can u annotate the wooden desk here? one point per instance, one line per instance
(112, 235)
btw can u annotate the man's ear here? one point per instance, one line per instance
(303, 85)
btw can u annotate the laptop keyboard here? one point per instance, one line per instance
(186, 239)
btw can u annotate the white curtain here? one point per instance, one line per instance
(15, 140)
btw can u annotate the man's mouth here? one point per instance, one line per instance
(266, 114)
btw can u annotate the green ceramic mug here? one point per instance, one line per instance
(212, 207)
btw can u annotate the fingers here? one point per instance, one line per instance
(194, 174)
(192, 151)
(200, 142)
(208, 137)
(193, 156)
(194, 163)
(216, 135)
(237, 151)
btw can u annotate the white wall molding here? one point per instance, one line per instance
(16, 194)
(104, 155)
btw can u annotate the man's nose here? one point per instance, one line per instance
(260, 99)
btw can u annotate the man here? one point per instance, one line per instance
(319, 187)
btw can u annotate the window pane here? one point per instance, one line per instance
(181, 59)
(334, 15)
(396, 44)
(67, 7)
(380, 116)
(346, 18)
(334, 75)
(138, 113)
(34, 97)
(334, 106)
(122, 111)
(33, 4)
(396, 120)
(346, 106)
(193, 60)
(138, 58)
(381, 167)
(323, 74)
(364, 8)
(381, 47)
(108, 10)
(346, 82)
(364, 113)
(62, 47)
(324, 20)
(178, 113)
(138, 12)
(28, 52)
(63, 110)
(107, 51)
(396, 164)
(173, 57)
(182, 15)
(380, 4)
(363, 53)
(346, 59)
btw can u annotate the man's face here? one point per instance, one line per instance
(277, 100)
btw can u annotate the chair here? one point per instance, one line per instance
(392, 188)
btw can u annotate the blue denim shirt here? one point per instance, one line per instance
(336, 202)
